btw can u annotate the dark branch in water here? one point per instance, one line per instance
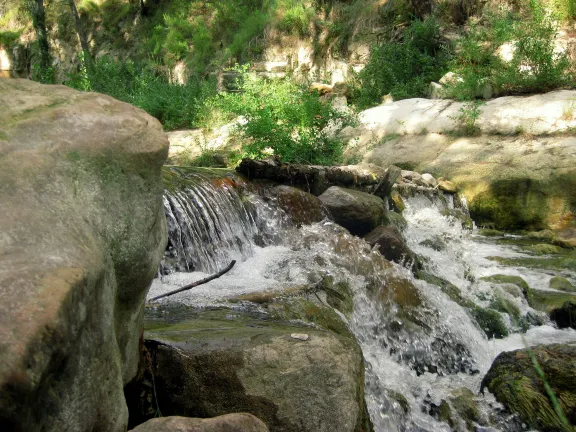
(195, 284)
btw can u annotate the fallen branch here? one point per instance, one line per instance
(195, 284)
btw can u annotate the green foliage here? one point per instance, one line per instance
(465, 122)
(176, 106)
(403, 69)
(283, 118)
(534, 66)
(296, 17)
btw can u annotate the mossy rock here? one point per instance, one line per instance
(504, 305)
(558, 262)
(515, 382)
(490, 321)
(396, 220)
(544, 249)
(545, 301)
(339, 295)
(508, 279)
(397, 202)
(305, 310)
(436, 243)
(562, 284)
(512, 204)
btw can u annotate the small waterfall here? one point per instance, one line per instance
(420, 346)
(208, 225)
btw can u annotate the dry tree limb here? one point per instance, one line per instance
(195, 284)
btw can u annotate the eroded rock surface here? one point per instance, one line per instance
(514, 381)
(82, 234)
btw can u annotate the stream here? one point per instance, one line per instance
(426, 350)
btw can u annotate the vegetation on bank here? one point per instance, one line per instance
(416, 42)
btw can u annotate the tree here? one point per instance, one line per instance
(38, 14)
(80, 30)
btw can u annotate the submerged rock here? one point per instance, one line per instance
(83, 232)
(230, 361)
(358, 212)
(565, 316)
(237, 422)
(391, 244)
(515, 382)
(562, 284)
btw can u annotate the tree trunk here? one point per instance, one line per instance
(39, 22)
(80, 30)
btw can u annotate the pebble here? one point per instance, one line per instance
(300, 336)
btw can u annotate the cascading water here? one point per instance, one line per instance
(420, 346)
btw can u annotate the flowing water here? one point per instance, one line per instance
(426, 350)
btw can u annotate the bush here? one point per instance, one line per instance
(283, 118)
(534, 67)
(404, 69)
(176, 106)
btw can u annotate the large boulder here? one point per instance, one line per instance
(294, 377)
(82, 234)
(516, 172)
(358, 212)
(237, 422)
(515, 382)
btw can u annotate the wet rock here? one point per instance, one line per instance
(436, 243)
(358, 212)
(237, 422)
(397, 202)
(429, 180)
(508, 279)
(562, 284)
(83, 234)
(546, 301)
(515, 382)
(210, 365)
(302, 207)
(490, 321)
(391, 245)
(447, 185)
(565, 316)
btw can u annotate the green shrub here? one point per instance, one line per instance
(282, 117)
(404, 69)
(534, 67)
(176, 106)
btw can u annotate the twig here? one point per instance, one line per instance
(195, 284)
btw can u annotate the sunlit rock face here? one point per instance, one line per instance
(512, 157)
(82, 233)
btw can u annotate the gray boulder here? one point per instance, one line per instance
(294, 377)
(358, 212)
(82, 234)
(237, 422)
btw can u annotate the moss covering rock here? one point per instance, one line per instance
(562, 284)
(515, 382)
(237, 422)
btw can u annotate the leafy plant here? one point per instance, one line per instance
(465, 122)
(403, 68)
(284, 118)
(533, 66)
(176, 106)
